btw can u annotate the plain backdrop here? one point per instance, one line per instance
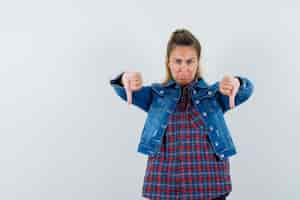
(65, 134)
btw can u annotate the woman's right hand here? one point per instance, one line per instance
(132, 81)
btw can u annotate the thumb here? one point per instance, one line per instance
(232, 97)
(128, 90)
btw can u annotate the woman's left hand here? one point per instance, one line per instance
(229, 86)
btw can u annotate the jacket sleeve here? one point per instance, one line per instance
(141, 98)
(244, 92)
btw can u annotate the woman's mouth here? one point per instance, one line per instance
(184, 78)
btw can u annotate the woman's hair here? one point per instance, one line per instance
(186, 38)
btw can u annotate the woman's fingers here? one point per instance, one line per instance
(135, 86)
(232, 96)
(231, 101)
(136, 81)
(132, 82)
(236, 86)
(225, 88)
(228, 87)
(127, 85)
(225, 91)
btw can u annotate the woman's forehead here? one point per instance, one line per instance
(185, 52)
(183, 57)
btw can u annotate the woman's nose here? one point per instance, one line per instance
(184, 69)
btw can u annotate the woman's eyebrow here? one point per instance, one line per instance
(183, 59)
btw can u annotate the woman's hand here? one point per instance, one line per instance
(132, 81)
(229, 86)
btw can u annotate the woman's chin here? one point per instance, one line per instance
(183, 81)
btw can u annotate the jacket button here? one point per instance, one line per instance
(161, 92)
(211, 128)
(221, 155)
(194, 91)
(204, 114)
(216, 143)
(209, 92)
(197, 101)
(164, 126)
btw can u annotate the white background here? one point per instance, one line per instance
(65, 134)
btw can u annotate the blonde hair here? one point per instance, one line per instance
(182, 37)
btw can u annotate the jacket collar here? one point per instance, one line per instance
(198, 83)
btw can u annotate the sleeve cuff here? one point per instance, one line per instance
(117, 80)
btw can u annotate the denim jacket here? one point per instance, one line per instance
(159, 101)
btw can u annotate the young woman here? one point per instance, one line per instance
(185, 134)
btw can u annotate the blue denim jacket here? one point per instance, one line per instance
(159, 101)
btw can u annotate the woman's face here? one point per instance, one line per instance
(183, 64)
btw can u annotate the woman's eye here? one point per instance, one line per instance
(178, 61)
(189, 62)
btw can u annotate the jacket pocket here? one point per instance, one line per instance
(158, 102)
(208, 100)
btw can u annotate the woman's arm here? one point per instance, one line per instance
(244, 92)
(141, 98)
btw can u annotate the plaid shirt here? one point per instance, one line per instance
(186, 167)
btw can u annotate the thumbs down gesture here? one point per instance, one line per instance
(132, 81)
(229, 86)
